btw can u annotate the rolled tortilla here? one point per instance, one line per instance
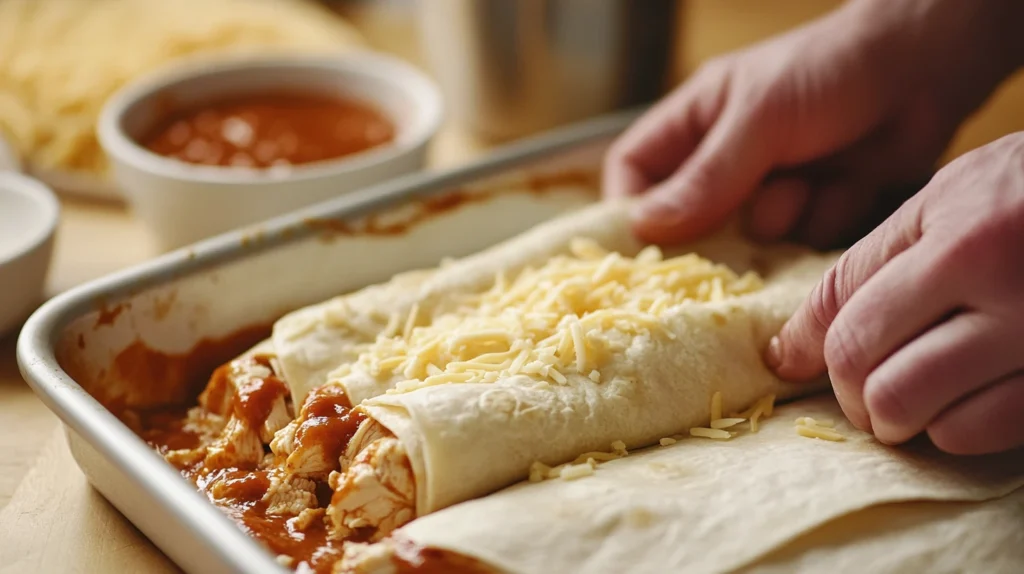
(467, 440)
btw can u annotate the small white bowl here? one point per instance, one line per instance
(182, 202)
(29, 213)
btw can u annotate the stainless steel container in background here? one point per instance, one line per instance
(513, 67)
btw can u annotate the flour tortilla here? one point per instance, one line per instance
(933, 537)
(705, 506)
(468, 440)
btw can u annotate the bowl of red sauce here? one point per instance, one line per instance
(213, 145)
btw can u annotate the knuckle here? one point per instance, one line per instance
(824, 302)
(844, 355)
(975, 262)
(954, 253)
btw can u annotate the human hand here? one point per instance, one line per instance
(920, 325)
(812, 129)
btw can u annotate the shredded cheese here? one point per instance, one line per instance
(762, 407)
(667, 441)
(574, 471)
(560, 323)
(808, 421)
(716, 406)
(717, 434)
(726, 423)
(539, 471)
(410, 321)
(819, 432)
(820, 429)
(755, 417)
(583, 465)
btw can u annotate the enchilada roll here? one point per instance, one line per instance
(524, 356)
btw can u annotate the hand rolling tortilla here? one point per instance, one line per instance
(536, 351)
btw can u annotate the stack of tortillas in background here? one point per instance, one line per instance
(61, 59)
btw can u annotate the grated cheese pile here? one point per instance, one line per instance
(821, 429)
(565, 318)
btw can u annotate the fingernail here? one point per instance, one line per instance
(773, 354)
(854, 412)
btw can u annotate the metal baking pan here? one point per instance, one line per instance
(70, 350)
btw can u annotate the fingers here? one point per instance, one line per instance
(838, 209)
(986, 422)
(776, 207)
(726, 167)
(934, 371)
(798, 351)
(653, 147)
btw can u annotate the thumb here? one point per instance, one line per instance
(710, 186)
(797, 353)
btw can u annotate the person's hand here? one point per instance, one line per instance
(811, 129)
(920, 325)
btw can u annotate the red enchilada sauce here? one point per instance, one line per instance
(269, 130)
(327, 420)
(255, 396)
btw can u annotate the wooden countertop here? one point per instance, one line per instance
(51, 521)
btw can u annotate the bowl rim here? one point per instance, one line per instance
(43, 200)
(396, 74)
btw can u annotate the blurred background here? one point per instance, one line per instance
(699, 30)
(505, 69)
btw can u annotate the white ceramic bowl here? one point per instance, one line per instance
(182, 202)
(29, 213)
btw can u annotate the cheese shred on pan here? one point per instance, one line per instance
(565, 319)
